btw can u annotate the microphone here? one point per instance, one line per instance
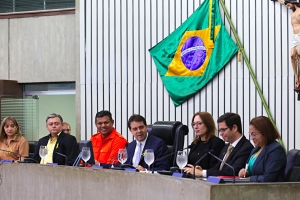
(225, 164)
(168, 156)
(16, 153)
(198, 161)
(63, 156)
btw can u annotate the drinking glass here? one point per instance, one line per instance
(149, 157)
(181, 159)
(43, 152)
(122, 155)
(86, 154)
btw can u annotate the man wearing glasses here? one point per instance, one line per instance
(62, 148)
(235, 152)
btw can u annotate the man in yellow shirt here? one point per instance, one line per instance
(62, 148)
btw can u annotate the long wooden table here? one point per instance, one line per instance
(34, 181)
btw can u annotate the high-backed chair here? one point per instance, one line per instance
(292, 170)
(31, 148)
(172, 133)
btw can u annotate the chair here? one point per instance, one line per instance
(292, 170)
(32, 145)
(172, 133)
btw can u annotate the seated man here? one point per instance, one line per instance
(62, 148)
(235, 153)
(107, 141)
(138, 127)
(66, 128)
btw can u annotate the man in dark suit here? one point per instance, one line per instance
(235, 153)
(136, 149)
(62, 148)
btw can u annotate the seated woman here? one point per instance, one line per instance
(12, 144)
(267, 160)
(205, 130)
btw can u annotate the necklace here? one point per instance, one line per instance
(257, 153)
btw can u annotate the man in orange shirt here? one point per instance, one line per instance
(107, 141)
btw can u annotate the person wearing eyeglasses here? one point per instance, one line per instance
(205, 130)
(267, 160)
(66, 128)
(62, 148)
(235, 152)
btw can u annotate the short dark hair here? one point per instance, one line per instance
(53, 115)
(231, 119)
(136, 118)
(103, 113)
(266, 128)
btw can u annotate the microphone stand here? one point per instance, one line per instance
(16, 153)
(198, 161)
(225, 164)
(63, 156)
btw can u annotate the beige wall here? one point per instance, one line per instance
(3, 49)
(38, 49)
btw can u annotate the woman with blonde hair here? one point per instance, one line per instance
(13, 146)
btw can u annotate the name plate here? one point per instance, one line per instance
(130, 170)
(178, 175)
(214, 179)
(9, 161)
(97, 167)
(51, 163)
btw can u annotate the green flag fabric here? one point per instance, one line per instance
(194, 53)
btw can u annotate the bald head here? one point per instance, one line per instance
(66, 128)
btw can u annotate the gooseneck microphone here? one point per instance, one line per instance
(198, 161)
(168, 156)
(63, 156)
(16, 153)
(225, 164)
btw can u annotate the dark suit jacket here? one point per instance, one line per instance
(65, 144)
(269, 166)
(160, 150)
(198, 150)
(237, 159)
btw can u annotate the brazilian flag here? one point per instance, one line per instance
(194, 53)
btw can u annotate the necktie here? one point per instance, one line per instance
(138, 154)
(229, 150)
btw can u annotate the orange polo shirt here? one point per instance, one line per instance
(106, 149)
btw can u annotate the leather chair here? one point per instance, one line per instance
(32, 145)
(173, 134)
(292, 170)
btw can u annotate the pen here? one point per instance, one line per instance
(246, 168)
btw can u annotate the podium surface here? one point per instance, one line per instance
(34, 181)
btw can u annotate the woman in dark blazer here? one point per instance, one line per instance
(205, 130)
(267, 160)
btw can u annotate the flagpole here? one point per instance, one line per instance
(241, 49)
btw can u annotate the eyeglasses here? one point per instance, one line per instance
(197, 124)
(222, 129)
(253, 134)
(66, 129)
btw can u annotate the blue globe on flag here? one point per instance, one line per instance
(193, 53)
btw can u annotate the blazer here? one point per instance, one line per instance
(237, 159)
(198, 150)
(65, 144)
(270, 164)
(160, 149)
